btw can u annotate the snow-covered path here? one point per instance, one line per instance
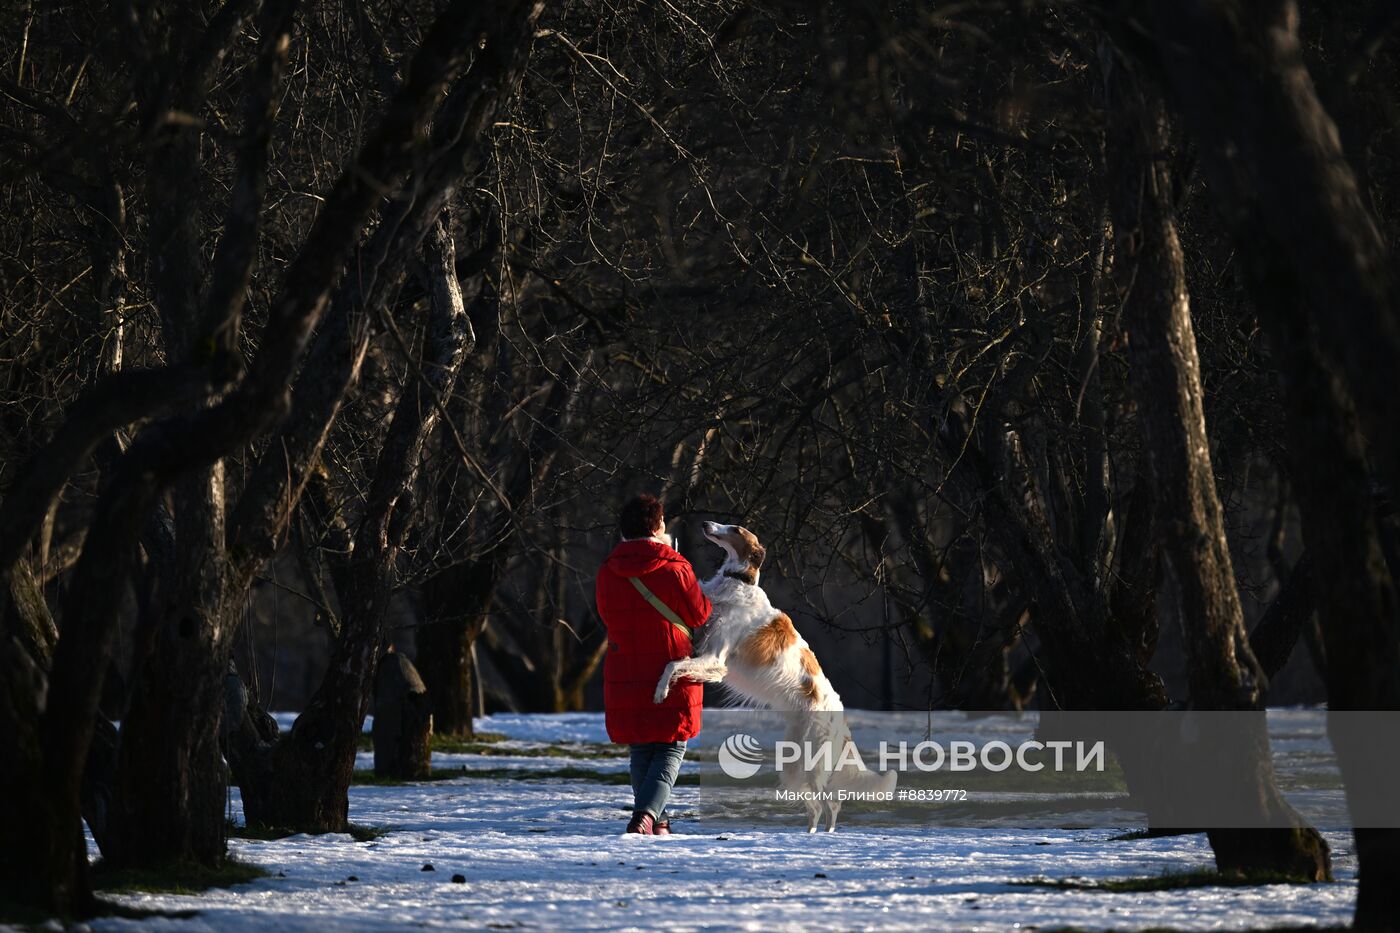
(549, 854)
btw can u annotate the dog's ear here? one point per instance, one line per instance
(757, 555)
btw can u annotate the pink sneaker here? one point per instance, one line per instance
(642, 823)
(662, 828)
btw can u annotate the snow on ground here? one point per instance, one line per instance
(549, 854)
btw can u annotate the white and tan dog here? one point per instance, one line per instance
(754, 650)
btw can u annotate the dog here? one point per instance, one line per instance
(755, 651)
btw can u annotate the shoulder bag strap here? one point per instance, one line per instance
(666, 611)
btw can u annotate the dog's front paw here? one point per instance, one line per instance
(663, 690)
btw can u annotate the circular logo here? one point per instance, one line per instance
(740, 756)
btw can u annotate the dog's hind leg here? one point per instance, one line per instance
(833, 807)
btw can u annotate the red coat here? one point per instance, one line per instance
(641, 642)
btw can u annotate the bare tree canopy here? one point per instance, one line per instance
(1039, 339)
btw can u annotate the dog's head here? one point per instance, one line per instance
(744, 553)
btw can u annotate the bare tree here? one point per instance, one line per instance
(174, 451)
(1323, 283)
(1166, 378)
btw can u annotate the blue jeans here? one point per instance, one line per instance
(654, 769)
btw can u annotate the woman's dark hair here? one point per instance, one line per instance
(640, 516)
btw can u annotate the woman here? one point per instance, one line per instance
(649, 601)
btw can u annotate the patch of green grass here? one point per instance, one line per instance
(260, 833)
(362, 833)
(489, 743)
(478, 746)
(370, 779)
(176, 878)
(1152, 834)
(1132, 836)
(1171, 881)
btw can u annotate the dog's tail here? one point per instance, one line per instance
(865, 780)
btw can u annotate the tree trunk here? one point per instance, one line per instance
(25, 878)
(444, 649)
(178, 722)
(27, 614)
(191, 441)
(172, 781)
(301, 780)
(1166, 381)
(1284, 622)
(455, 602)
(314, 763)
(967, 648)
(1327, 296)
(98, 792)
(1349, 578)
(403, 721)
